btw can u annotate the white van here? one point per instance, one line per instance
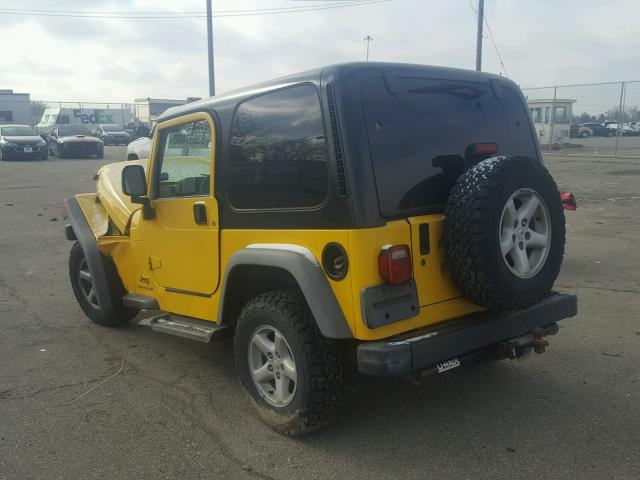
(55, 116)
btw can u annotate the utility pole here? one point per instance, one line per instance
(479, 38)
(368, 39)
(212, 77)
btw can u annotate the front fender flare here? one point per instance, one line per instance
(87, 240)
(305, 270)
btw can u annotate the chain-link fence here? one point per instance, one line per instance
(599, 119)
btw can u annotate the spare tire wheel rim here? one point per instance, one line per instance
(525, 233)
(272, 366)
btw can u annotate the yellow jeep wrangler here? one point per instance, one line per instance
(401, 210)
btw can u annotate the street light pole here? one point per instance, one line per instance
(212, 78)
(479, 37)
(368, 39)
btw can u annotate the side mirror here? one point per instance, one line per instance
(134, 182)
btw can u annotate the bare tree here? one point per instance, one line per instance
(37, 109)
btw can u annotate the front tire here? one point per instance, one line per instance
(83, 288)
(290, 371)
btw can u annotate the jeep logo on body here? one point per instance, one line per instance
(98, 117)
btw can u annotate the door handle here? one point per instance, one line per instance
(200, 213)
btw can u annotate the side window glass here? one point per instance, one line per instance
(278, 154)
(184, 166)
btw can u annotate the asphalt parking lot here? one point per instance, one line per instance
(175, 409)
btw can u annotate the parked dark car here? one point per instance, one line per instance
(74, 140)
(21, 142)
(599, 129)
(137, 131)
(112, 134)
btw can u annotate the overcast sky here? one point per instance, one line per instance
(542, 42)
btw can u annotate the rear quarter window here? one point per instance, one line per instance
(420, 136)
(278, 152)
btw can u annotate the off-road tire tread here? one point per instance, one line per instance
(465, 231)
(324, 382)
(120, 314)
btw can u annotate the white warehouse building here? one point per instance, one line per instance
(15, 107)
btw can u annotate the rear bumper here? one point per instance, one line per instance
(459, 338)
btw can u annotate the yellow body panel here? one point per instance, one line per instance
(117, 204)
(433, 284)
(438, 298)
(177, 259)
(94, 212)
(181, 263)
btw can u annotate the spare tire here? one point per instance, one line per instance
(504, 232)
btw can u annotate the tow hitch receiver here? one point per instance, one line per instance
(521, 346)
(513, 349)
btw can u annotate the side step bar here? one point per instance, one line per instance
(186, 327)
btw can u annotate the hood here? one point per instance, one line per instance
(118, 132)
(22, 140)
(109, 188)
(79, 138)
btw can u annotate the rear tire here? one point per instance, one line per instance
(499, 253)
(301, 390)
(82, 286)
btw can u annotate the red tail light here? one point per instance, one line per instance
(394, 264)
(485, 148)
(568, 201)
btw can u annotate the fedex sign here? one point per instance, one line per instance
(98, 117)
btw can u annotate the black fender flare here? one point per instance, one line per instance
(300, 263)
(87, 240)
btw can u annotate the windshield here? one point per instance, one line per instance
(19, 131)
(75, 130)
(111, 128)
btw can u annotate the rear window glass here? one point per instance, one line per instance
(421, 136)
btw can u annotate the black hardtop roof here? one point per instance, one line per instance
(336, 70)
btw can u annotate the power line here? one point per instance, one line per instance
(504, 69)
(490, 36)
(198, 12)
(184, 15)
